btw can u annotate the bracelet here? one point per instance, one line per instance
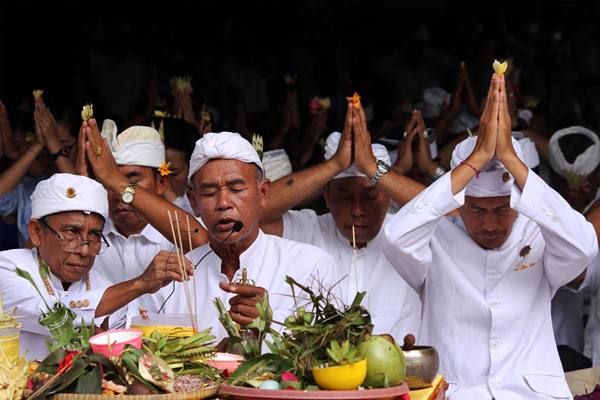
(472, 167)
(55, 156)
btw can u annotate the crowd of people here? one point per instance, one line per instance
(467, 212)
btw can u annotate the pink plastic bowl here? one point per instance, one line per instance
(226, 361)
(119, 338)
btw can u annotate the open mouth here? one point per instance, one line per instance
(225, 224)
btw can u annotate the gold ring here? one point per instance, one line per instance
(98, 151)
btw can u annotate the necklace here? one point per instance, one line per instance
(44, 272)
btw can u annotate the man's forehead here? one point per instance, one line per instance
(225, 170)
(487, 202)
(357, 183)
(76, 218)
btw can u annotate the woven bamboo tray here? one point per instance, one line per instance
(207, 392)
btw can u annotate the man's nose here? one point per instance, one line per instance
(489, 222)
(358, 208)
(223, 200)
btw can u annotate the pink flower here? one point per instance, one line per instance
(288, 376)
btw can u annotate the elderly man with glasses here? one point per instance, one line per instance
(67, 220)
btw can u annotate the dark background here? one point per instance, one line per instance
(51, 45)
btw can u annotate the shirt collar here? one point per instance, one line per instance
(149, 232)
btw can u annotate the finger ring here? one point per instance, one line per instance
(98, 151)
(404, 134)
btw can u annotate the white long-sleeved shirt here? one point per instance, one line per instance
(20, 294)
(395, 308)
(268, 260)
(488, 311)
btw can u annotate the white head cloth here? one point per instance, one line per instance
(229, 145)
(331, 146)
(138, 145)
(276, 164)
(530, 155)
(492, 180)
(434, 99)
(584, 164)
(68, 192)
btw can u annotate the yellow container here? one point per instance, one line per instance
(171, 324)
(341, 377)
(9, 344)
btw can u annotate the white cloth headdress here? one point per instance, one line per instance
(228, 145)
(138, 145)
(276, 164)
(68, 192)
(584, 164)
(331, 146)
(494, 180)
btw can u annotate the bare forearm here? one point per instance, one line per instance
(400, 188)
(11, 177)
(156, 209)
(288, 191)
(118, 296)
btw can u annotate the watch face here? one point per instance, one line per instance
(127, 197)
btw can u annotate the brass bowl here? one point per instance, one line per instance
(422, 364)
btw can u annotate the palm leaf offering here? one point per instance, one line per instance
(320, 332)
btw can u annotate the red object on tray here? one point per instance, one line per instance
(243, 393)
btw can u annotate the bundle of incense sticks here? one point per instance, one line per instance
(354, 258)
(181, 261)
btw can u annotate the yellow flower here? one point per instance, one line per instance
(71, 193)
(500, 67)
(87, 112)
(165, 169)
(324, 103)
(355, 100)
(38, 93)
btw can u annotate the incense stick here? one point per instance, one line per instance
(181, 270)
(354, 257)
(185, 275)
(187, 220)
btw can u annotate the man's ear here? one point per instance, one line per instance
(162, 184)
(264, 187)
(35, 232)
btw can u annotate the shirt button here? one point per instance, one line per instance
(495, 344)
(419, 205)
(72, 304)
(86, 302)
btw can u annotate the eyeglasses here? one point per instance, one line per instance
(71, 244)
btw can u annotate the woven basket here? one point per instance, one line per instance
(197, 394)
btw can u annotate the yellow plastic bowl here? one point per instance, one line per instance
(341, 377)
(165, 330)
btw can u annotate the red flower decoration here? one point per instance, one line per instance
(67, 360)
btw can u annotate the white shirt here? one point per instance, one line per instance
(395, 308)
(268, 260)
(592, 284)
(567, 318)
(489, 318)
(128, 257)
(20, 294)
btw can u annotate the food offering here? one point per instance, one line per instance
(163, 367)
(325, 350)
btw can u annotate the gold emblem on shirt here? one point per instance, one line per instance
(71, 193)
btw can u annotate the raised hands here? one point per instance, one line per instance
(343, 155)
(7, 143)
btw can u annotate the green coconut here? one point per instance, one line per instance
(386, 365)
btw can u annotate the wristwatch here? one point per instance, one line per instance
(438, 173)
(382, 169)
(128, 194)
